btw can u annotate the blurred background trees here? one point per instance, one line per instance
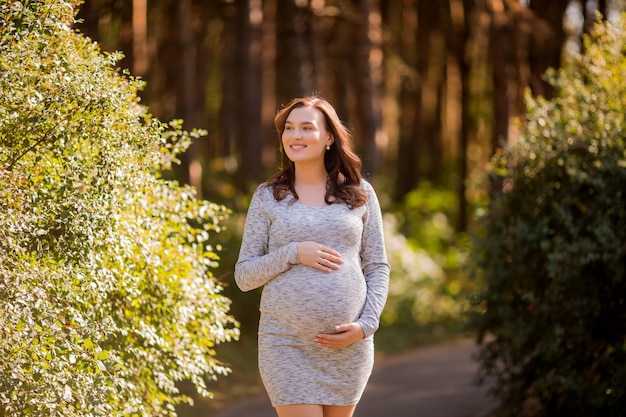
(429, 87)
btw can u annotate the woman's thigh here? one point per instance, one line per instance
(300, 410)
(312, 410)
(338, 410)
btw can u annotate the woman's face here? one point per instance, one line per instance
(305, 136)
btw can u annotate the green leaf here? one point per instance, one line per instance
(87, 343)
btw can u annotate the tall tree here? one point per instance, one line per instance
(109, 22)
(461, 12)
(140, 36)
(250, 91)
(524, 43)
(241, 106)
(231, 74)
(338, 51)
(295, 58)
(547, 40)
(432, 68)
(420, 150)
(410, 105)
(500, 49)
(368, 58)
(191, 172)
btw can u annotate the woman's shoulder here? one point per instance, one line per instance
(370, 193)
(367, 186)
(263, 191)
(265, 194)
(262, 199)
(263, 187)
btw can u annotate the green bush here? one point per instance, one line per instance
(552, 318)
(429, 283)
(427, 257)
(107, 297)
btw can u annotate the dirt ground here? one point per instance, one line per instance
(435, 381)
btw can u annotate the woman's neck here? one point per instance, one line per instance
(310, 185)
(310, 175)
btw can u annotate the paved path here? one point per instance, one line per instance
(435, 381)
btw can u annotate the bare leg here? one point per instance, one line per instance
(301, 410)
(338, 410)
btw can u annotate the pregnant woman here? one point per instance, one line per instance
(313, 239)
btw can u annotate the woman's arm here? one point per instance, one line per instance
(256, 266)
(375, 265)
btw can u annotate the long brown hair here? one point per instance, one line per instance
(342, 163)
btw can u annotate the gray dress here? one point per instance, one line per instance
(298, 302)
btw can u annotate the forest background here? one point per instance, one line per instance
(431, 90)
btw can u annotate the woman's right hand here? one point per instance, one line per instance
(318, 256)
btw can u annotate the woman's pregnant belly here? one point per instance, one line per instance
(304, 301)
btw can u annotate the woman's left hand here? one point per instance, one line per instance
(346, 335)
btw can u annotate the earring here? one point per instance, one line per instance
(328, 147)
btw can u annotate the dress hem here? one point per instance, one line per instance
(314, 403)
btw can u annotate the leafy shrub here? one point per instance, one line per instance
(107, 298)
(428, 285)
(552, 319)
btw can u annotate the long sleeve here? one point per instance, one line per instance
(375, 265)
(256, 265)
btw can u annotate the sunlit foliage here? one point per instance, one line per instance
(107, 298)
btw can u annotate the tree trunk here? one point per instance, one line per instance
(295, 64)
(500, 46)
(410, 105)
(368, 85)
(460, 15)
(338, 62)
(268, 87)
(191, 170)
(431, 66)
(140, 36)
(547, 37)
(88, 13)
(230, 120)
(248, 94)
(110, 24)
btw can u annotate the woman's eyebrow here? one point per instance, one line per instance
(302, 123)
